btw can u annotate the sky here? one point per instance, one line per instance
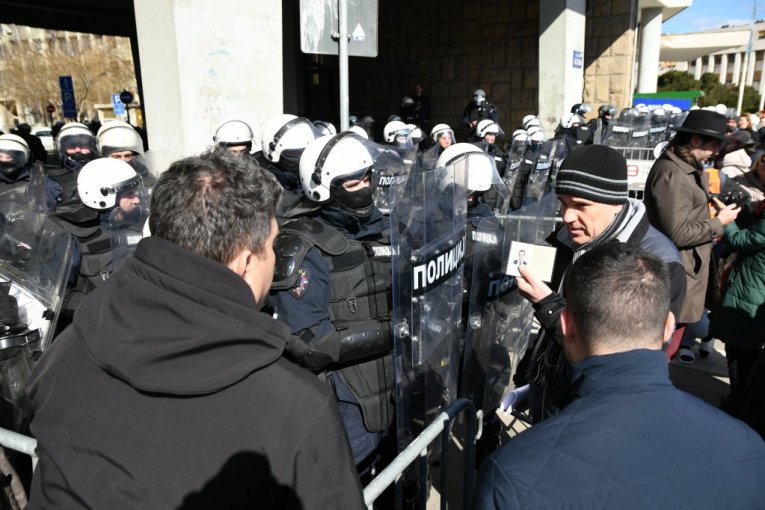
(705, 14)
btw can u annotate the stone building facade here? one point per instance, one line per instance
(609, 55)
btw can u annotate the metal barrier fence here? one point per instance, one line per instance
(419, 449)
(20, 443)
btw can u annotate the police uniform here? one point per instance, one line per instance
(332, 287)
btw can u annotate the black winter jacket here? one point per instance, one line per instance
(169, 390)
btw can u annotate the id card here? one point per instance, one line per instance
(538, 259)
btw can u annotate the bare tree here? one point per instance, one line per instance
(32, 67)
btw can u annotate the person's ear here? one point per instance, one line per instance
(567, 326)
(240, 262)
(669, 326)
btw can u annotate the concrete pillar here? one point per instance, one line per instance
(750, 69)
(723, 68)
(561, 48)
(711, 64)
(650, 43)
(697, 69)
(201, 66)
(761, 85)
(737, 68)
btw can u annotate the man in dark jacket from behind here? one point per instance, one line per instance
(169, 390)
(630, 440)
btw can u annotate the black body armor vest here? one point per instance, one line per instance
(359, 350)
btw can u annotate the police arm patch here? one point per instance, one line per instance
(304, 278)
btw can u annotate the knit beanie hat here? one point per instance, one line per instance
(594, 172)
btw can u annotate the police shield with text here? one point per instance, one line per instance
(428, 235)
(499, 319)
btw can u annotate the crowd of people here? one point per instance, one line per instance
(241, 344)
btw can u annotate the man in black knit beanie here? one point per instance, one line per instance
(596, 209)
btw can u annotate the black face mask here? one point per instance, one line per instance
(360, 202)
(81, 157)
(9, 168)
(289, 160)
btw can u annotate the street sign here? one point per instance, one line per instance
(50, 108)
(319, 28)
(126, 97)
(119, 106)
(68, 103)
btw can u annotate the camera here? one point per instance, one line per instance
(738, 198)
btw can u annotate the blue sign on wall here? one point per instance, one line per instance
(119, 106)
(578, 59)
(68, 103)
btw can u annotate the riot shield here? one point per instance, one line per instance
(542, 172)
(515, 152)
(618, 134)
(428, 222)
(657, 133)
(35, 259)
(639, 135)
(499, 320)
(392, 165)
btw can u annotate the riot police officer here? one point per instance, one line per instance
(284, 139)
(478, 109)
(235, 136)
(77, 146)
(487, 132)
(332, 286)
(442, 137)
(105, 220)
(119, 140)
(14, 161)
(599, 126)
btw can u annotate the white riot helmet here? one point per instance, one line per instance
(479, 96)
(75, 134)
(488, 126)
(100, 181)
(569, 120)
(233, 133)
(391, 128)
(536, 134)
(438, 130)
(325, 128)
(481, 167)
(14, 154)
(118, 136)
(330, 159)
(415, 133)
(520, 135)
(359, 131)
(407, 102)
(286, 132)
(527, 121)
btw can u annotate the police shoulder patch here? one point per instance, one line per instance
(304, 278)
